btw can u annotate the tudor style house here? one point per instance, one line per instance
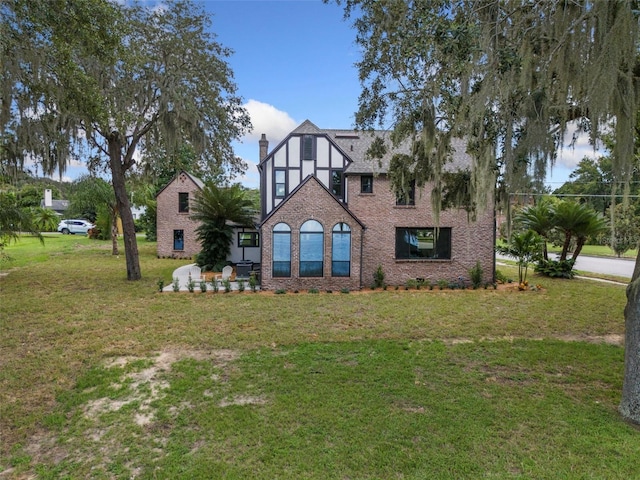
(330, 218)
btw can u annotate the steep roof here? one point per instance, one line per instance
(356, 143)
(199, 183)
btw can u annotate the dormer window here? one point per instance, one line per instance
(308, 147)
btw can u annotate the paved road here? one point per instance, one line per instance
(608, 266)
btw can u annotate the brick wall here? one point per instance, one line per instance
(169, 219)
(310, 202)
(470, 241)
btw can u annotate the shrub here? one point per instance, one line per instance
(176, 284)
(216, 287)
(253, 283)
(160, 284)
(240, 285)
(280, 291)
(344, 290)
(226, 283)
(378, 277)
(411, 283)
(442, 284)
(475, 274)
(501, 277)
(203, 286)
(191, 285)
(556, 268)
(313, 290)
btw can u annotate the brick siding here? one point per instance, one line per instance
(470, 241)
(169, 219)
(310, 202)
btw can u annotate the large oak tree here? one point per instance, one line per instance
(510, 77)
(135, 76)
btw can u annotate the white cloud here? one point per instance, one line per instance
(267, 119)
(569, 156)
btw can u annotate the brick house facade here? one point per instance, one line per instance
(323, 176)
(176, 229)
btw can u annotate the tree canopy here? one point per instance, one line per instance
(509, 77)
(130, 78)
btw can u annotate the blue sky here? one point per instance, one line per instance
(294, 60)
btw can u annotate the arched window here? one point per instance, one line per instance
(281, 250)
(311, 249)
(341, 250)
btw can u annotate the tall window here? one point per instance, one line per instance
(248, 239)
(281, 185)
(366, 184)
(408, 197)
(311, 249)
(281, 250)
(336, 182)
(341, 250)
(183, 202)
(178, 239)
(423, 243)
(308, 147)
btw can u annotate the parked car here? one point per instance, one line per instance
(75, 226)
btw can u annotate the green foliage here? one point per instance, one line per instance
(215, 208)
(191, 284)
(280, 291)
(45, 219)
(240, 285)
(176, 284)
(14, 220)
(526, 248)
(626, 229)
(253, 283)
(226, 283)
(378, 277)
(556, 268)
(475, 274)
(501, 277)
(160, 284)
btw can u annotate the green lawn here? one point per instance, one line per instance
(104, 378)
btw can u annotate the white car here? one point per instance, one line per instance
(75, 226)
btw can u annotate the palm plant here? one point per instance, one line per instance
(539, 218)
(45, 219)
(217, 209)
(525, 247)
(573, 219)
(14, 220)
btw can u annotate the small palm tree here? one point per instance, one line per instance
(526, 248)
(14, 220)
(45, 219)
(573, 219)
(539, 218)
(216, 208)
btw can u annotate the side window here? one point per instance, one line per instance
(248, 239)
(183, 202)
(311, 249)
(341, 250)
(408, 197)
(280, 183)
(366, 184)
(281, 250)
(178, 239)
(336, 182)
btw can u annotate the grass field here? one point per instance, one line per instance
(104, 378)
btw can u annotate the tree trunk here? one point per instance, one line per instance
(579, 245)
(630, 403)
(122, 201)
(565, 247)
(114, 233)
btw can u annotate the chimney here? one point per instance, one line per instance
(48, 198)
(264, 147)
